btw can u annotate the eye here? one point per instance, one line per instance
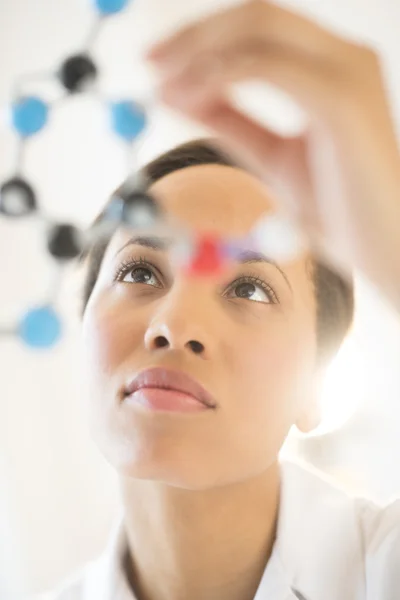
(137, 271)
(252, 288)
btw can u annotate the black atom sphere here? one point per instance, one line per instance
(139, 209)
(17, 198)
(64, 242)
(77, 72)
(134, 208)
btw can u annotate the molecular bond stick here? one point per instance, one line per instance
(40, 326)
(207, 255)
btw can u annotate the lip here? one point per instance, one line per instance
(158, 379)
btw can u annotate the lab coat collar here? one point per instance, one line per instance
(106, 580)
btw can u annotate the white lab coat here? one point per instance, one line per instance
(329, 547)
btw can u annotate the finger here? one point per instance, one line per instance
(257, 149)
(256, 22)
(261, 145)
(315, 86)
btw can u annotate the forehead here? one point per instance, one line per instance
(218, 198)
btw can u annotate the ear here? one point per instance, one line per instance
(310, 415)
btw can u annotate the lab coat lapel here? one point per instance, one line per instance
(275, 583)
(319, 541)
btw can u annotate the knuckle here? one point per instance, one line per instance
(368, 55)
(195, 35)
(357, 72)
(257, 7)
(364, 59)
(255, 15)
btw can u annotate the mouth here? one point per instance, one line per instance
(167, 390)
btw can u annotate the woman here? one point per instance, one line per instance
(209, 511)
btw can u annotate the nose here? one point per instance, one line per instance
(178, 326)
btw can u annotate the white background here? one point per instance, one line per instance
(63, 496)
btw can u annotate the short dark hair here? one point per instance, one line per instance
(334, 296)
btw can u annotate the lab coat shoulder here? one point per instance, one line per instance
(381, 534)
(100, 579)
(69, 590)
(354, 542)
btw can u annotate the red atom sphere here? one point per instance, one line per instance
(208, 259)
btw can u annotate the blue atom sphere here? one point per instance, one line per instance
(110, 7)
(29, 115)
(40, 327)
(128, 119)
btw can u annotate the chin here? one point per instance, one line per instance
(170, 450)
(171, 463)
(184, 454)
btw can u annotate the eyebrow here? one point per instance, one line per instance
(161, 244)
(148, 241)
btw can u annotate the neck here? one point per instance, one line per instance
(211, 544)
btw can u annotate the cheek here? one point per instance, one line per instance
(276, 363)
(110, 335)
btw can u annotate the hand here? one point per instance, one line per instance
(340, 179)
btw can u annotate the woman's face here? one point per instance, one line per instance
(256, 351)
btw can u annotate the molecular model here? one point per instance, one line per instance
(41, 326)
